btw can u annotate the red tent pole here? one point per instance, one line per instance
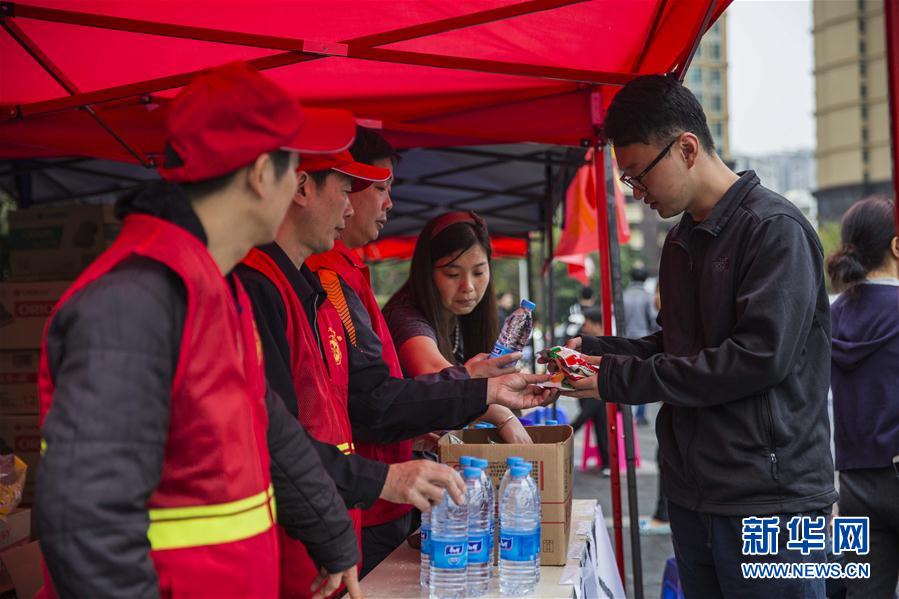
(605, 279)
(891, 15)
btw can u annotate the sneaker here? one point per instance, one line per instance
(651, 526)
(605, 473)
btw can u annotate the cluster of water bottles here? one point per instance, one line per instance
(457, 541)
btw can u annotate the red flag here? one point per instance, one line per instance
(580, 237)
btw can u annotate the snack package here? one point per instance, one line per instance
(12, 482)
(565, 366)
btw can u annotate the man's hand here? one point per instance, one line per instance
(426, 442)
(325, 584)
(482, 366)
(587, 387)
(421, 483)
(574, 343)
(518, 391)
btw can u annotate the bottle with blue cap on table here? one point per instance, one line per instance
(480, 540)
(449, 547)
(519, 534)
(516, 330)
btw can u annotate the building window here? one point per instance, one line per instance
(716, 103)
(864, 112)
(864, 135)
(718, 131)
(861, 25)
(862, 68)
(698, 97)
(715, 76)
(863, 90)
(865, 157)
(715, 50)
(695, 78)
(861, 5)
(862, 48)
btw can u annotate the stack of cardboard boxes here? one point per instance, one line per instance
(49, 247)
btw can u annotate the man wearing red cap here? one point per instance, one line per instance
(164, 448)
(346, 280)
(337, 393)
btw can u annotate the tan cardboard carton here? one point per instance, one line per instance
(18, 382)
(24, 308)
(551, 455)
(22, 433)
(58, 242)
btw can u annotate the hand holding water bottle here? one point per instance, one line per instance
(483, 366)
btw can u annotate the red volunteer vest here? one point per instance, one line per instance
(321, 389)
(346, 264)
(212, 515)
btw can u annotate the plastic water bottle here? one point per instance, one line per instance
(487, 481)
(425, 575)
(516, 330)
(479, 517)
(449, 549)
(551, 423)
(464, 462)
(533, 483)
(519, 539)
(507, 475)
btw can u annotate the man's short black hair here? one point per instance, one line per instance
(321, 176)
(201, 189)
(654, 109)
(593, 314)
(638, 274)
(586, 293)
(371, 146)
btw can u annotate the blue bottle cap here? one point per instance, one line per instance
(484, 425)
(465, 460)
(480, 463)
(528, 304)
(471, 472)
(520, 471)
(513, 460)
(551, 422)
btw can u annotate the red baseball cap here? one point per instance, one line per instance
(362, 174)
(226, 117)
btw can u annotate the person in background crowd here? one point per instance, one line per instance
(445, 313)
(594, 409)
(162, 441)
(865, 383)
(585, 300)
(742, 363)
(638, 319)
(505, 305)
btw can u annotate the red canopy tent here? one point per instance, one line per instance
(93, 77)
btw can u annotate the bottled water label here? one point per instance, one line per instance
(425, 541)
(519, 546)
(478, 549)
(449, 555)
(500, 350)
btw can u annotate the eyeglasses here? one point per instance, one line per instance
(636, 182)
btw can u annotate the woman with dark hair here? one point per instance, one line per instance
(445, 314)
(865, 383)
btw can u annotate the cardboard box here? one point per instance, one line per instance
(551, 455)
(18, 382)
(23, 564)
(23, 434)
(24, 308)
(58, 242)
(16, 529)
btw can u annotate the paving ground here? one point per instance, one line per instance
(590, 485)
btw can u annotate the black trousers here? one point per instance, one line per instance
(379, 541)
(595, 410)
(874, 493)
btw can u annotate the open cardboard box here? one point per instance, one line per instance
(551, 455)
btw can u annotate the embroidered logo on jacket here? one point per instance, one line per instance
(334, 341)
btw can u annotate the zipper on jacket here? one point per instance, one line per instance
(772, 443)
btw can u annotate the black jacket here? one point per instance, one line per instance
(742, 363)
(113, 349)
(382, 409)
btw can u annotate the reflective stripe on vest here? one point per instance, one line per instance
(198, 525)
(347, 448)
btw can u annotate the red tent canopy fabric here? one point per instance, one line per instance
(431, 73)
(402, 248)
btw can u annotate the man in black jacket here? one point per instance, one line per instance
(742, 362)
